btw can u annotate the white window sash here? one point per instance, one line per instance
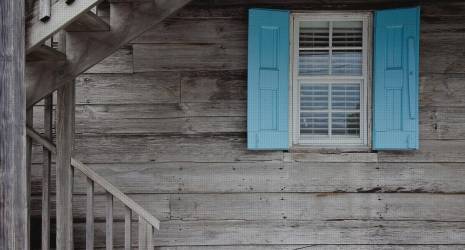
(365, 82)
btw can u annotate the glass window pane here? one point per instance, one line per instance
(314, 96)
(313, 63)
(345, 123)
(313, 123)
(347, 34)
(345, 96)
(314, 34)
(347, 62)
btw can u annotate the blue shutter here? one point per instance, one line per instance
(268, 79)
(396, 79)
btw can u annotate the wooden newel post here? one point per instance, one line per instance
(13, 175)
(64, 173)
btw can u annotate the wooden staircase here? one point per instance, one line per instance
(64, 38)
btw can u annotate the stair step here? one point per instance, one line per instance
(88, 21)
(45, 53)
(37, 31)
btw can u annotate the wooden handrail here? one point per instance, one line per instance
(91, 174)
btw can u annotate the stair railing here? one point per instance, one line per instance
(147, 222)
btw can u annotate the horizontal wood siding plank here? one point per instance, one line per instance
(201, 233)
(312, 247)
(321, 206)
(187, 177)
(442, 90)
(189, 57)
(442, 123)
(199, 31)
(118, 62)
(430, 151)
(207, 86)
(231, 148)
(165, 148)
(442, 53)
(128, 88)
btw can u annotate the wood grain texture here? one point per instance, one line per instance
(230, 148)
(201, 233)
(118, 62)
(46, 172)
(317, 206)
(189, 57)
(137, 88)
(64, 179)
(13, 172)
(200, 30)
(205, 86)
(276, 177)
(442, 90)
(311, 246)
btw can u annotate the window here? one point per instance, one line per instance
(330, 79)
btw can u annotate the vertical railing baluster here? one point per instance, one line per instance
(127, 228)
(29, 123)
(149, 237)
(109, 221)
(46, 172)
(90, 215)
(142, 234)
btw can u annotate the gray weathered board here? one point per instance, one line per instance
(164, 119)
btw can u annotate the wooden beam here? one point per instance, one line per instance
(45, 53)
(63, 14)
(64, 134)
(85, 49)
(13, 186)
(88, 21)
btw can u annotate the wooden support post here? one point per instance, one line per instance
(64, 131)
(46, 172)
(13, 186)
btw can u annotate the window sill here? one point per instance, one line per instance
(336, 155)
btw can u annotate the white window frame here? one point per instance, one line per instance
(296, 139)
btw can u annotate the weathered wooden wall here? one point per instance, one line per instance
(164, 119)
